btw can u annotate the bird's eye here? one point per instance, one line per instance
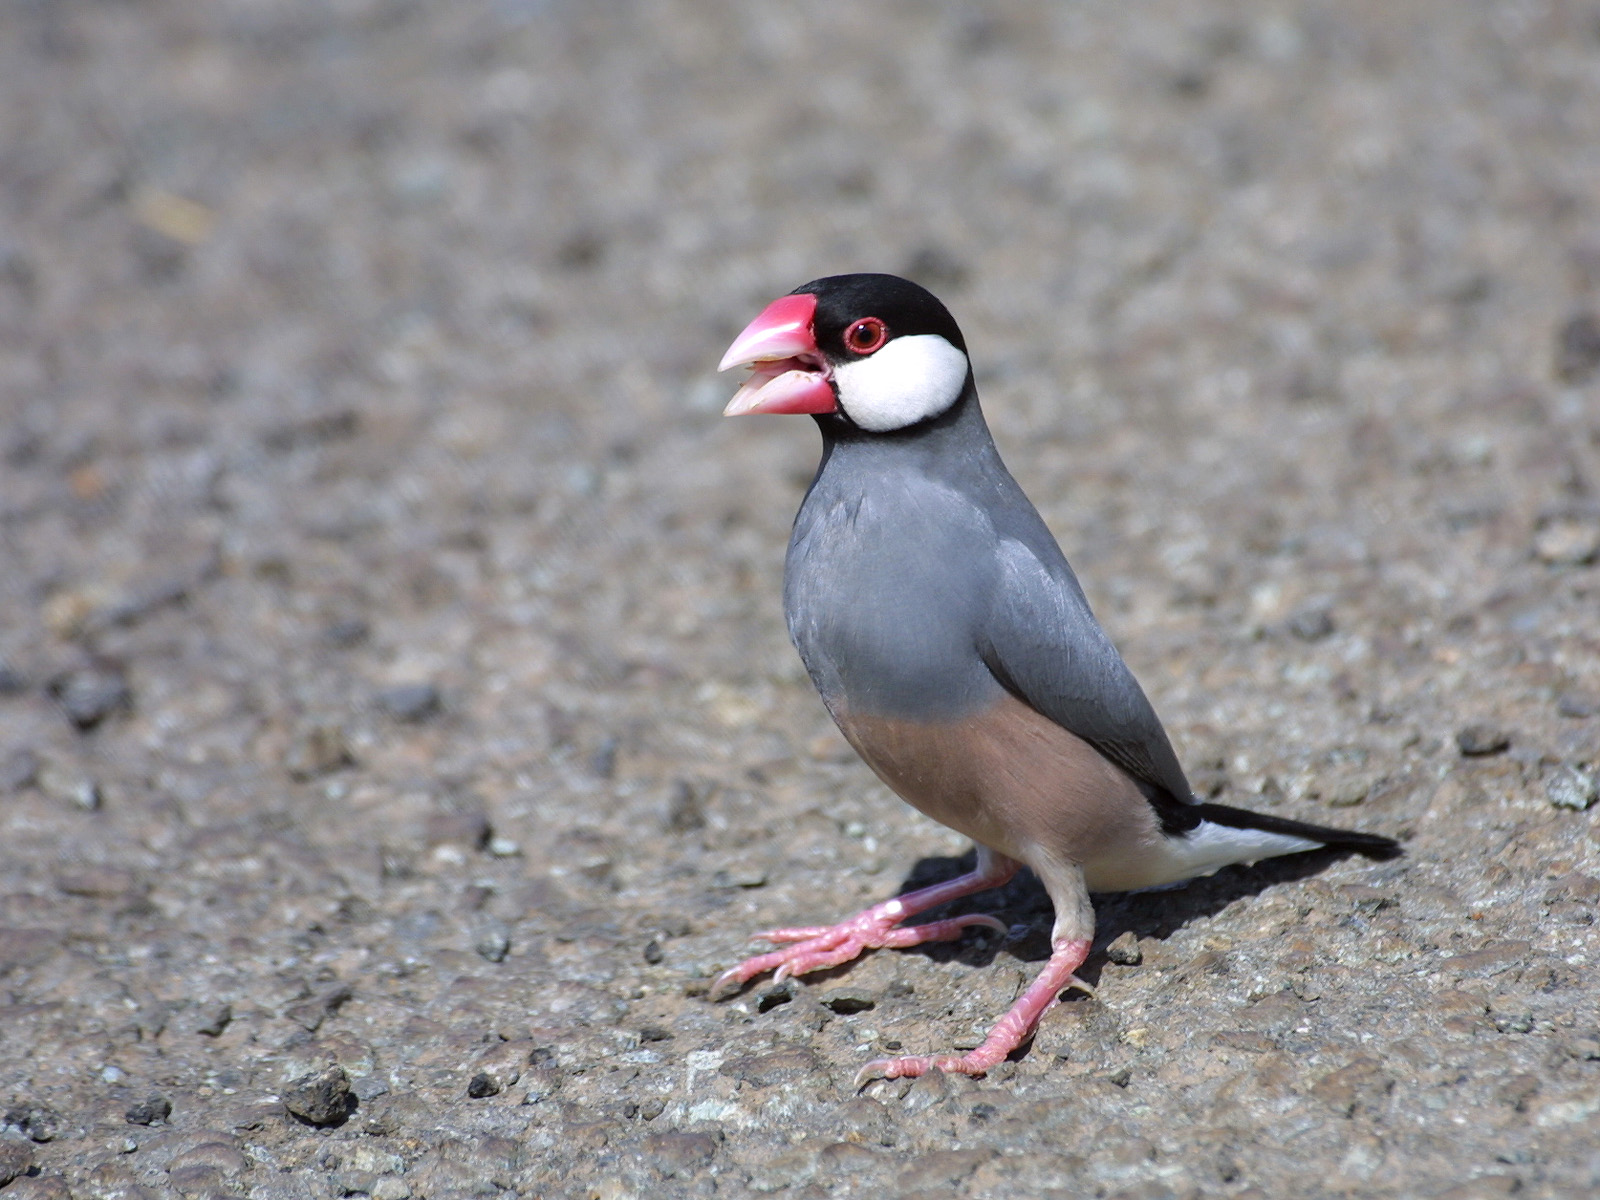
(866, 335)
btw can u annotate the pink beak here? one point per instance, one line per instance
(789, 373)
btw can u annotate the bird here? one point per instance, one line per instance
(955, 649)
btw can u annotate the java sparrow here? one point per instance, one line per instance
(956, 652)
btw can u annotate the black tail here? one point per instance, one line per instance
(1371, 844)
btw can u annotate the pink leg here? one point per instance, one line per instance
(1010, 1032)
(818, 947)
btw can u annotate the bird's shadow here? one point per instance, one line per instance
(1024, 905)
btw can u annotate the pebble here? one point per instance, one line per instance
(1349, 791)
(1312, 624)
(1125, 950)
(494, 945)
(16, 1158)
(1567, 542)
(468, 829)
(1578, 348)
(152, 1109)
(685, 808)
(1481, 740)
(68, 785)
(1572, 787)
(90, 694)
(317, 749)
(1578, 705)
(322, 1098)
(483, 1085)
(19, 770)
(410, 702)
(214, 1020)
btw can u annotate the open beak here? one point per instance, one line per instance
(789, 374)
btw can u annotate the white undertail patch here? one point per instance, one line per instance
(911, 379)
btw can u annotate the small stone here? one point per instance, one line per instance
(322, 1098)
(388, 1187)
(410, 701)
(1578, 348)
(468, 829)
(317, 750)
(686, 807)
(1349, 791)
(346, 632)
(16, 1158)
(310, 1014)
(776, 995)
(1572, 787)
(654, 1033)
(214, 1020)
(1312, 624)
(67, 785)
(153, 1109)
(1567, 542)
(744, 876)
(19, 770)
(1481, 740)
(503, 847)
(653, 953)
(494, 945)
(91, 694)
(1578, 705)
(483, 1085)
(652, 1108)
(1125, 950)
(899, 989)
(847, 1000)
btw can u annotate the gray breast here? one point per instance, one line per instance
(885, 589)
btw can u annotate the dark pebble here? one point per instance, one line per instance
(652, 952)
(483, 1085)
(317, 750)
(1578, 705)
(91, 694)
(16, 1158)
(469, 829)
(322, 1098)
(494, 945)
(1125, 950)
(1578, 348)
(1311, 624)
(685, 808)
(213, 1021)
(847, 1000)
(152, 1109)
(655, 1033)
(604, 761)
(20, 770)
(410, 701)
(350, 631)
(542, 1057)
(310, 1014)
(898, 989)
(1478, 741)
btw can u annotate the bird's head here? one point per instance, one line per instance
(878, 350)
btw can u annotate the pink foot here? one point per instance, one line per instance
(816, 948)
(1009, 1032)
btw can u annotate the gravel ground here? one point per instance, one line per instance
(397, 724)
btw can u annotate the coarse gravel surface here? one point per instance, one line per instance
(397, 724)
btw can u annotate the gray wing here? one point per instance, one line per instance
(1043, 644)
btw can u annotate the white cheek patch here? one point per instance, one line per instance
(911, 379)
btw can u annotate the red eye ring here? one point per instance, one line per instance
(865, 336)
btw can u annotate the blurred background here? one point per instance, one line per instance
(390, 624)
